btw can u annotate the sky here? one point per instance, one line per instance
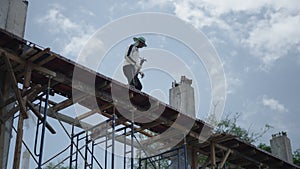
(257, 43)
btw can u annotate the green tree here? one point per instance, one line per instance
(229, 125)
(58, 166)
(265, 147)
(296, 157)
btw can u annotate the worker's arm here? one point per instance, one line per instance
(142, 60)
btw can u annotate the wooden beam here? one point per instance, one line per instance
(64, 118)
(19, 138)
(31, 96)
(24, 62)
(207, 161)
(13, 98)
(68, 102)
(224, 159)
(46, 60)
(102, 108)
(40, 117)
(15, 87)
(39, 54)
(213, 155)
(194, 158)
(18, 145)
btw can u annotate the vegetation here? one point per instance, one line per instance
(229, 125)
(296, 157)
(54, 166)
(265, 147)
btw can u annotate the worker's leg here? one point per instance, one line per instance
(129, 72)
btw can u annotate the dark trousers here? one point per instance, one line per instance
(132, 77)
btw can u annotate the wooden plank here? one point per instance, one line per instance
(87, 114)
(13, 98)
(224, 158)
(68, 102)
(40, 117)
(46, 60)
(24, 62)
(19, 139)
(65, 118)
(18, 146)
(30, 97)
(213, 155)
(41, 53)
(15, 87)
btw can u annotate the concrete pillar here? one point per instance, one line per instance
(281, 146)
(13, 16)
(25, 159)
(6, 126)
(182, 97)
(12, 19)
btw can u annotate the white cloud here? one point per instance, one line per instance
(198, 14)
(58, 21)
(232, 83)
(269, 29)
(72, 34)
(273, 38)
(273, 104)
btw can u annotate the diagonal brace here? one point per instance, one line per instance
(15, 86)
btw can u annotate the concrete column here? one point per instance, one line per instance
(281, 146)
(12, 19)
(25, 159)
(182, 97)
(6, 126)
(13, 16)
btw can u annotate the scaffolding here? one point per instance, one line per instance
(175, 158)
(34, 73)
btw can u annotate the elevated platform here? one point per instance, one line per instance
(28, 59)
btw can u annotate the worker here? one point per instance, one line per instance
(133, 62)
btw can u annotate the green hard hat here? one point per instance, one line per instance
(140, 39)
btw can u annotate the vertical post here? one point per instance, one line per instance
(185, 155)
(92, 158)
(194, 158)
(76, 154)
(106, 133)
(18, 146)
(71, 148)
(125, 148)
(5, 126)
(44, 126)
(140, 163)
(132, 153)
(113, 141)
(86, 151)
(213, 155)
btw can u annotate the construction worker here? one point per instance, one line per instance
(133, 62)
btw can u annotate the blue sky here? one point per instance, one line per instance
(257, 41)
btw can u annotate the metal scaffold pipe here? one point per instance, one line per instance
(44, 126)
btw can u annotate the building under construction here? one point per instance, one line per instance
(30, 74)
